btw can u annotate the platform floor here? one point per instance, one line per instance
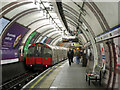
(64, 77)
(72, 77)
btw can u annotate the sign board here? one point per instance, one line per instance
(109, 34)
(34, 38)
(28, 42)
(76, 44)
(70, 40)
(11, 42)
(48, 39)
(117, 49)
(103, 55)
(42, 41)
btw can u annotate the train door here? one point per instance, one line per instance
(30, 59)
(53, 56)
(38, 55)
(47, 54)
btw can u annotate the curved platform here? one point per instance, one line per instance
(63, 76)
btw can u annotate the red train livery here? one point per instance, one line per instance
(40, 54)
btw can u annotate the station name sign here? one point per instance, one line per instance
(109, 34)
(70, 40)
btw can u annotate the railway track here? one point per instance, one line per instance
(18, 82)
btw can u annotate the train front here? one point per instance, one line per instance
(38, 57)
(34, 57)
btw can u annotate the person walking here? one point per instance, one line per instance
(69, 54)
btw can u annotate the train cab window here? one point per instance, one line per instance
(38, 51)
(47, 51)
(30, 51)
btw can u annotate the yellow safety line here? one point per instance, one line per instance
(41, 78)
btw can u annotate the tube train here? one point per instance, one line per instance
(41, 55)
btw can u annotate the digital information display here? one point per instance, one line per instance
(70, 40)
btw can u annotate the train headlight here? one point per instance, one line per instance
(31, 65)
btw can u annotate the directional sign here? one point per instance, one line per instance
(70, 40)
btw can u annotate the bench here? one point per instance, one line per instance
(96, 75)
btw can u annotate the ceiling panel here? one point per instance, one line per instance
(110, 12)
(19, 9)
(5, 2)
(29, 18)
(89, 18)
(49, 31)
(33, 28)
(45, 28)
(53, 33)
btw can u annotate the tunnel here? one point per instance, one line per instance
(29, 27)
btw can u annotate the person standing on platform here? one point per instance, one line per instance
(72, 54)
(77, 56)
(69, 54)
(81, 54)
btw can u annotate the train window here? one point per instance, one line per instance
(38, 49)
(47, 51)
(31, 51)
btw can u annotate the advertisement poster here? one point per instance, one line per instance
(117, 49)
(103, 55)
(34, 38)
(3, 23)
(43, 39)
(40, 37)
(61, 44)
(11, 42)
(28, 42)
(48, 40)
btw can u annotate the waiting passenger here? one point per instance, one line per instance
(72, 54)
(77, 53)
(69, 54)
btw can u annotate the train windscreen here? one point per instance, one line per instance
(30, 51)
(47, 52)
(34, 51)
(38, 51)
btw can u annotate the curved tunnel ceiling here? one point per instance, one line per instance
(94, 13)
(27, 14)
(96, 17)
(85, 21)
